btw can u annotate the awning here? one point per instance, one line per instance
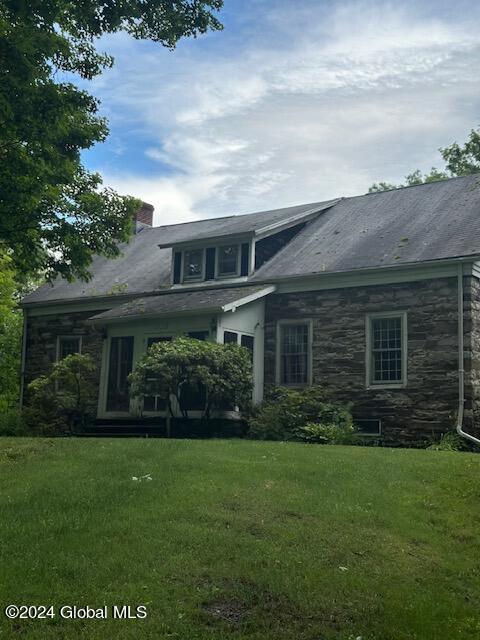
(180, 303)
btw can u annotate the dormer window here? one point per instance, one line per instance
(193, 265)
(228, 261)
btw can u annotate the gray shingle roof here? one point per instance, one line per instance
(141, 268)
(181, 302)
(235, 225)
(144, 268)
(427, 222)
(433, 221)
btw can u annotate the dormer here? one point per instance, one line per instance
(226, 259)
(231, 249)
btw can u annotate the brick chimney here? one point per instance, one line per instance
(145, 214)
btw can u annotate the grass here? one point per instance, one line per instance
(237, 539)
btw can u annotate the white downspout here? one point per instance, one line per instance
(461, 369)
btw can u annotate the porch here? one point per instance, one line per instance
(235, 314)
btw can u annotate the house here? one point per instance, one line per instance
(376, 298)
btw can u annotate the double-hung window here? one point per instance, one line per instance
(387, 350)
(193, 264)
(228, 261)
(294, 353)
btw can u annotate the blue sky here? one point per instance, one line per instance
(293, 102)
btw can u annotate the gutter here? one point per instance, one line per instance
(473, 257)
(250, 281)
(461, 364)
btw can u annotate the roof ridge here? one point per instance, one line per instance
(252, 213)
(412, 186)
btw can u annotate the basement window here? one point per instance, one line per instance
(386, 350)
(368, 426)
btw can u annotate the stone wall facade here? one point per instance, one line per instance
(428, 405)
(473, 372)
(41, 344)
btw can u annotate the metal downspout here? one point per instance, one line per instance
(461, 365)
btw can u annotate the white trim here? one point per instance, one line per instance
(228, 276)
(67, 336)
(251, 266)
(475, 269)
(206, 284)
(232, 306)
(369, 383)
(293, 220)
(309, 282)
(300, 321)
(366, 277)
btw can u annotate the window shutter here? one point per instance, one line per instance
(245, 259)
(210, 264)
(177, 267)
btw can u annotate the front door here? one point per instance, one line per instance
(119, 367)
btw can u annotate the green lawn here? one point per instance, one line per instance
(237, 539)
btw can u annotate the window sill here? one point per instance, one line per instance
(383, 385)
(302, 385)
(207, 283)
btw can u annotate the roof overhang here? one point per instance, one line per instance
(138, 309)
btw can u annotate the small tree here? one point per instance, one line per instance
(223, 372)
(63, 401)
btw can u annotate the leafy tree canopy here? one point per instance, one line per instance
(10, 335)
(459, 160)
(54, 213)
(224, 372)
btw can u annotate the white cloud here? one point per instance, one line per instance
(322, 106)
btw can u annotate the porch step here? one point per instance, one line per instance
(127, 428)
(155, 427)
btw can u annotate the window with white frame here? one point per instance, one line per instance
(68, 345)
(387, 349)
(228, 260)
(193, 264)
(294, 353)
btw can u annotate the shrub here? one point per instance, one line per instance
(450, 441)
(286, 412)
(63, 402)
(11, 419)
(327, 433)
(223, 373)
